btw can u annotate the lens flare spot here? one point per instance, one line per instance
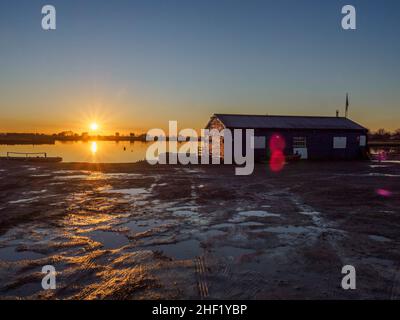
(277, 161)
(383, 193)
(277, 143)
(382, 156)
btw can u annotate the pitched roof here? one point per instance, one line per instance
(287, 122)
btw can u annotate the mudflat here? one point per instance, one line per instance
(135, 231)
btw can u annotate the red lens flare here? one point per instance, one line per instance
(383, 193)
(277, 161)
(277, 145)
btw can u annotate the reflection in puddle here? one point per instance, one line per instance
(223, 226)
(109, 240)
(379, 238)
(188, 249)
(232, 253)
(130, 192)
(145, 225)
(27, 200)
(287, 229)
(241, 216)
(77, 176)
(252, 224)
(183, 208)
(191, 217)
(212, 234)
(260, 214)
(11, 254)
(122, 175)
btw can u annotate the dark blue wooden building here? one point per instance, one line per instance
(322, 138)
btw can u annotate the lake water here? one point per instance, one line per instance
(115, 152)
(87, 151)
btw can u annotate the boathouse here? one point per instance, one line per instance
(307, 137)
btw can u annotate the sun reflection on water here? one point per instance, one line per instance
(93, 147)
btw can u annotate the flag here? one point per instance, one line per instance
(347, 103)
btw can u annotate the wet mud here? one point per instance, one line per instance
(134, 231)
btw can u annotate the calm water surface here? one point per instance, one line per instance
(89, 151)
(115, 152)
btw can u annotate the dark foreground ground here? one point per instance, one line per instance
(141, 232)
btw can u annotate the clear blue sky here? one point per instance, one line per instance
(134, 64)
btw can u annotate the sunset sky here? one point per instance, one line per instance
(134, 65)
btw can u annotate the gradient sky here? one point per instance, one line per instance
(135, 65)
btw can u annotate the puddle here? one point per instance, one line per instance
(144, 225)
(183, 208)
(35, 192)
(26, 290)
(40, 175)
(287, 229)
(211, 234)
(109, 240)
(379, 238)
(78, 176)
(71, 172)
(259, 214)
(122, 175)
(10, 254)
(130, 192)
(27, 200)
(251, 224)
(374, 174)
(185, 213)
(232, 253)
(378, 166)
(241, 216)
(183, 250)
(223, 226)
(191, 216)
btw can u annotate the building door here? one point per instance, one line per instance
(300, 147)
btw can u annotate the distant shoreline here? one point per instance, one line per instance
(378, 143)
(52, 140)
(44, 139)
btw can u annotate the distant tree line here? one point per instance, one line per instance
(382, 134)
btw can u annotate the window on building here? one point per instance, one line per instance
(363, 141)
(299, 142)
(339, 142)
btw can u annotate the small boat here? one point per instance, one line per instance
(30, 157)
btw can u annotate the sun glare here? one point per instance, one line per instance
(94, 126)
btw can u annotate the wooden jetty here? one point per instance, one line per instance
(30, 157)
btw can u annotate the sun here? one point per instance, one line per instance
(94, 126)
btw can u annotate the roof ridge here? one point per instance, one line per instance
(275, 115)
(291, 121)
